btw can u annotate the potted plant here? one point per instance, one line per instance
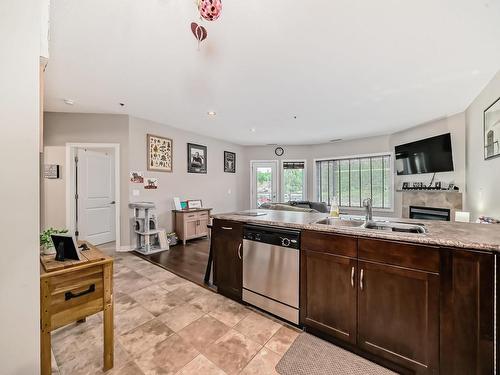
(46, 245)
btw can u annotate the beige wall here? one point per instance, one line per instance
(221, 191)
(483, 176)
(62, 128)
(453, 124)
(19, 153)
(456, 126)
(310, 153)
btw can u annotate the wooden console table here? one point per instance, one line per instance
(72, 290)
(192, 223)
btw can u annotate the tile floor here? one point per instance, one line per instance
(167, 325)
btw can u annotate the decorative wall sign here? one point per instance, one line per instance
(194, 203)
(160, 153)
(136, 177)
(229, 162)
(51, 171)
(196, 158)
(491, 121)
(150, 183)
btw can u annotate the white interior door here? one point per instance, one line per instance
(96, 196)
(264, 183)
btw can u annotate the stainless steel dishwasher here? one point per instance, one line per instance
(271, 270)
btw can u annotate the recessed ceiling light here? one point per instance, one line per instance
(69, 101)
(211, 113)
(252, 130)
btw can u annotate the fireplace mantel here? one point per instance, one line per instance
(431, 198)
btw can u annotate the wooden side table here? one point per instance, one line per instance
(192, 223)
(72, 290)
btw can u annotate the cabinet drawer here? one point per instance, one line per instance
(329, 243)
(418, 257)
(75, 295)
(227, 228)
(203, 215)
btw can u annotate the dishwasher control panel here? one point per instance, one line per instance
(272, 236)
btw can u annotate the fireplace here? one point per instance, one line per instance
(429, 213)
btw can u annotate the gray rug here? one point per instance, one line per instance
(310, 355)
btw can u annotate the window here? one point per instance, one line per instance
(294, 181)
(350, 180)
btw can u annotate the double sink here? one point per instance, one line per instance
(388, 226)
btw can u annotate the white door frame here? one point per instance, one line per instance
(278, 178)
(71, 188)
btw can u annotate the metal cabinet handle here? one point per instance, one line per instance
(70, 295)
(352, 276)
(227, 228)
(361, 279)
(239, 251)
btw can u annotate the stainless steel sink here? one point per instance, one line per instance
(376, 225)
(395, 227)
(341, 223)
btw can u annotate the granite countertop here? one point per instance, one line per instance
(439, 233)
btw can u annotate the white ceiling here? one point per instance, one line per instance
(345, 68)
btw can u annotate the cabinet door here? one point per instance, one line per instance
(191, 227)
(201, 229)
(227, 240)
(398, 315)
(467, 312)
(328, 294)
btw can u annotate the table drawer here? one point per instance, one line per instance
(75, 295)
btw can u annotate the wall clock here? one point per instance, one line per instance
(279, 151)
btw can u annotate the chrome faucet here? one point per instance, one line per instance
(368, 203)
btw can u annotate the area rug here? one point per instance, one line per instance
(310, 355)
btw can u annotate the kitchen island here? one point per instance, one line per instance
(421, 303)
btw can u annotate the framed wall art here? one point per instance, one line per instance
(196, 158)
(160, 153)
(491, 120)
(229, 162)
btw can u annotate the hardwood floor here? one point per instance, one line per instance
(189, 261)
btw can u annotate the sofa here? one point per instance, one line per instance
(298, 206)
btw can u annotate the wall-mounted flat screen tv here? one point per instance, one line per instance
(429, 155)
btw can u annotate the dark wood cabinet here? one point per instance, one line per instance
(467, 312)
(329, 294)
(227, 241)
(398, 315)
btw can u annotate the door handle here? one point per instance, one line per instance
(361, 276)
(239, 251)
(352, 276)
(112, 202)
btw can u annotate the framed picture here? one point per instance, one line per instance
(136, 177)
(491, 120)
(197, 158)
(195, 203)
(160, 151)
(150, 183)
(229, 162)
(51, 171)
